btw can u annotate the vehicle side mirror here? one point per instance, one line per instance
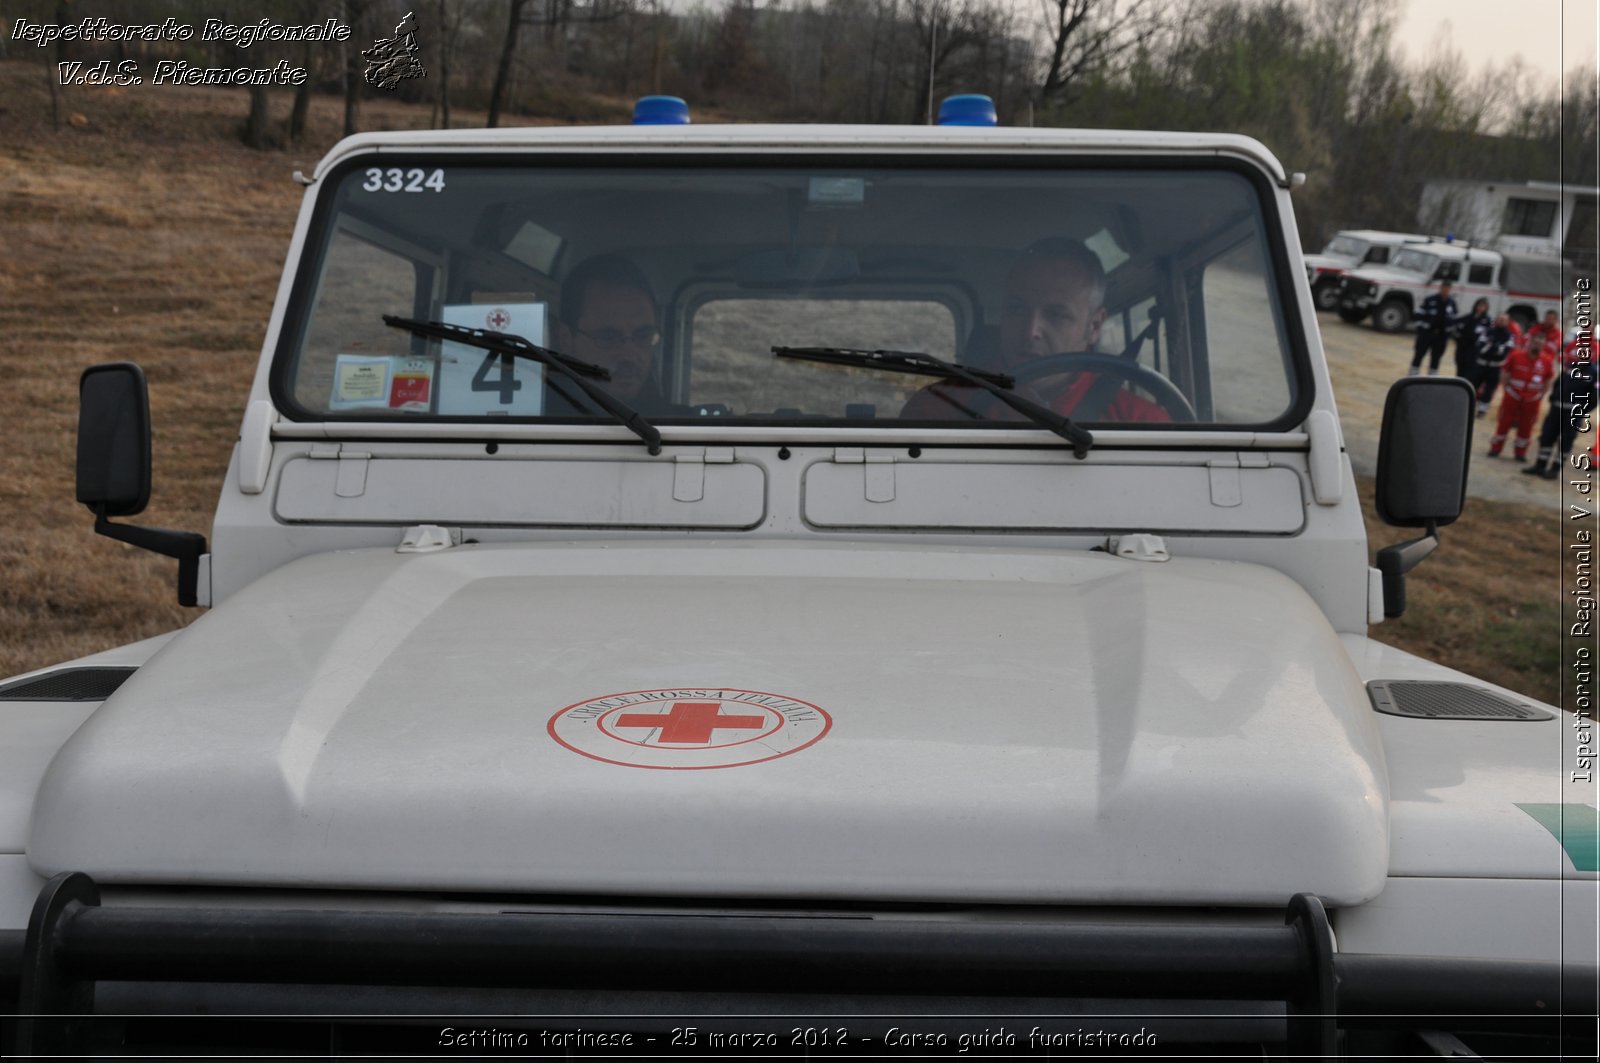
(1423, 451)
(114, 439)
(114, 467)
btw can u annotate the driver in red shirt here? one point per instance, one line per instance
(1054, 304)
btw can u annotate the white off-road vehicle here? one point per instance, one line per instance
(1351, 249)
(1522, 286)
(753, 712)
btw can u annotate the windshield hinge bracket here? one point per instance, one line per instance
(689, 471)
(1225, 490)
(880, 477)
(878, 474)
(689, 478)
(351, 481)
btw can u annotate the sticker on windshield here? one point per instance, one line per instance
(377, 382)
(395, 179)
(412, 386)
(478, 383)
(689, 729)
(360, 381)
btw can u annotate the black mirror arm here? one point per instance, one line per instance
(1395, 561)
(185, 546)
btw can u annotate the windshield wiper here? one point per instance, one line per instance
(999, 385)
(579, 372)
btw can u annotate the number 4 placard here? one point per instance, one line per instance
(478, 383)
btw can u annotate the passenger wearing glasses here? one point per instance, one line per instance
(607, 316)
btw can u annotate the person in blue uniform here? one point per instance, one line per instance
(1434, 320)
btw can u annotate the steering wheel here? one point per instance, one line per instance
(1166, 393)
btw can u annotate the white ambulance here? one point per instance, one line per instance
(673, 591)
(1523, 286)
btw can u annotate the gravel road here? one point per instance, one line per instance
(1364, 362)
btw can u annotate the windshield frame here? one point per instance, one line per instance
(315, 244)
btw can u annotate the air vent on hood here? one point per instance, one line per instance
(1448, 701)
(67, 684)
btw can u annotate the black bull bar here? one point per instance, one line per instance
(161, 959)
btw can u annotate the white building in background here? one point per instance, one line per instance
(1524, 217)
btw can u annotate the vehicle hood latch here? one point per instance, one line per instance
(1139, 547)
(426, 538)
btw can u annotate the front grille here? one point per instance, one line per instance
(1428, 700)
(67, 684)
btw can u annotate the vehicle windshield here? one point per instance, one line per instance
(1416, 262)
(1345, 247)
(1110, 295)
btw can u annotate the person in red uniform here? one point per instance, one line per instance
(1551, 327)
(1527, 370)
(1054, 304)
(1571, 400)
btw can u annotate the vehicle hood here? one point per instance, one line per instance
(1341, 263)
(1383, 275)
(911, 724)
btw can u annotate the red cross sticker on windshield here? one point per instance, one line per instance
(691, 722)
(498, 320)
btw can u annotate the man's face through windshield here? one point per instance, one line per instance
(1052, 307)
(616, 328)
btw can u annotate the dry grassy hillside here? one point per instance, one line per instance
(140, 231)
(145, 232)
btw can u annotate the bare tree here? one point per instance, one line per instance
(306, 12)
(562, 11)
(942, 29)
(354, 16)
(1083, 35)
(658, 42)
(449, 34)
(255, 134)
(508, 48)
(736, 60)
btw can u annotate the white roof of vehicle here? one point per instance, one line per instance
(975, 139)
(1384, 236)
(1457, 252)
